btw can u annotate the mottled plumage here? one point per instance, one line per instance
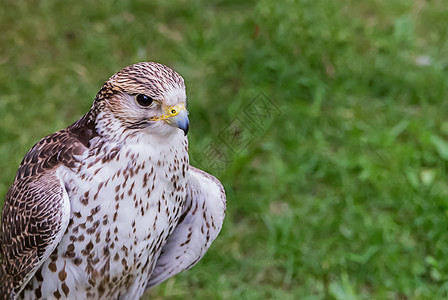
(110, 206)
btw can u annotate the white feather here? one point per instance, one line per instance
(199, 226)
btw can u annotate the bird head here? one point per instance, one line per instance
(146, 96)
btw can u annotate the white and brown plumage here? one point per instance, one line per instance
(110, 206)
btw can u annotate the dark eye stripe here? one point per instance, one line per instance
(143, 100)
(139, 125)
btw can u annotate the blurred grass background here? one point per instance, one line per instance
(344, 197)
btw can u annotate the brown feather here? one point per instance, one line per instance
(31, 214)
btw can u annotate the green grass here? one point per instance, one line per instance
(343, 196)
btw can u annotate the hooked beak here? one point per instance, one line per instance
(176, 116)
(180, 121)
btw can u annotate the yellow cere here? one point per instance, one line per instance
(170, 111)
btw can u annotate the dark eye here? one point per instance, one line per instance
(143, 100)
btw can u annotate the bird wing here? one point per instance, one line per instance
(36, 211)
(199, 225)
(35, 217)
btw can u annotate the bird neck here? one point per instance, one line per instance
(85, 128)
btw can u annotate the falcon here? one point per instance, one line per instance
(110, 206)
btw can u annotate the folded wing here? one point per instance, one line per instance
(198, 227)
(36, 211)
(35, 216)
